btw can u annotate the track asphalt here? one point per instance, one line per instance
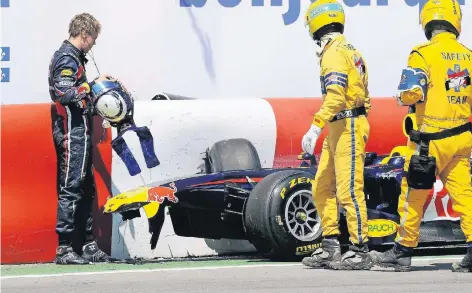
(429, 274)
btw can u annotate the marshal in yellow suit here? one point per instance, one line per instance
(341, 168)
(339, 178)
(443, 101)
(437, 81)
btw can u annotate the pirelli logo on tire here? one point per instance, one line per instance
(307, 249)
(293, 183)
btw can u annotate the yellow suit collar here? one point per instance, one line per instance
(443, 36)
(336, 39)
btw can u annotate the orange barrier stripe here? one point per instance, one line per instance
(294, 117)
(29, 196)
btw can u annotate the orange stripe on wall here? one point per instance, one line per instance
(294, 117)
(29, 196)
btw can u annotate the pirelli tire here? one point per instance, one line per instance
(274, 209)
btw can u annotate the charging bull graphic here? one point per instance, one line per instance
(159, 193)
(457, 78)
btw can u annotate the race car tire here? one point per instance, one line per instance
(233, 154)
(266, 215)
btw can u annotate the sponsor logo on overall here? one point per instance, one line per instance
(360, 65)
(381, 227)
(159, 193)
(66, 72)
(457, 77)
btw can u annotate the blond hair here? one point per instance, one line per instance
(84, 23)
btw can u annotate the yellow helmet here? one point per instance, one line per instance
(324, 16)
(441, 14)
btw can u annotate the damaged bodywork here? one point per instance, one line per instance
(233, 197)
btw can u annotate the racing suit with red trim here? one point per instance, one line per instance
(72, 128)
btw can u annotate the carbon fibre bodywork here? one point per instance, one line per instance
(212, 205)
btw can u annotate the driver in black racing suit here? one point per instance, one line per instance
(72, 131)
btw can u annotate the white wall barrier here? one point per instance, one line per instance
(182, 130)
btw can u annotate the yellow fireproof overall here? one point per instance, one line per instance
(340, 174)
(444, 60)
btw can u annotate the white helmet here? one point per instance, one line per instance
(112, 101)
(111, 106)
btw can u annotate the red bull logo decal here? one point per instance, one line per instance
(159, 193)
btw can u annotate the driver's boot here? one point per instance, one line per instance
(65, 255)
(330, 250)
(465, 266)
(356, 258)
(92, 253)
(397, 257)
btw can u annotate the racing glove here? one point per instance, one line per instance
(310, 138)
(82, 99)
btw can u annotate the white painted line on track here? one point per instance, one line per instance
(148, 270)
(139, 271)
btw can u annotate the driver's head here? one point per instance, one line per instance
(84, 30)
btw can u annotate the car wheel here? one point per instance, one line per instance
(280, 218)
(233, 154)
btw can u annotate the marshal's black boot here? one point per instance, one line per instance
(329, 251)
(356, 258)
(396, 257)
(465, 266)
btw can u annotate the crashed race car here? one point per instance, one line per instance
(233, 197)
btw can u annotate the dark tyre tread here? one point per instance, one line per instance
(233, 154)
(258, 217)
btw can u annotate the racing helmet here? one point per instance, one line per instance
(112, 101)
(441, 14)
(324, 16)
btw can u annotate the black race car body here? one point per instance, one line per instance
(272, 208)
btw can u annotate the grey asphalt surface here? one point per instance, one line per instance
(427, 276)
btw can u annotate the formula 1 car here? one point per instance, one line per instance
(233, 197)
